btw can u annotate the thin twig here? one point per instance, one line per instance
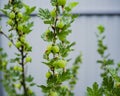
(8, 39)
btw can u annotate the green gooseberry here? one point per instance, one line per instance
(60, 24)
(28, 59)
(12, 15)
(48, 74)
(61, 2)
(18, 44)
(55, 49)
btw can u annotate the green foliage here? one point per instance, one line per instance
(8, 79)
(74, 69)
(14, 77)
(110, 76)
(95, 91)
(59, 21)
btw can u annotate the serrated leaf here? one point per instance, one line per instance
(29, 78)
(44, 14)
(101, 29)
(4, 11)
(73, 4)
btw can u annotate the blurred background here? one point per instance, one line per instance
(91, 14)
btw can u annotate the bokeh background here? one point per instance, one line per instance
(91, 14)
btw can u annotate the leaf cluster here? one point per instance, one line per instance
(110, 77)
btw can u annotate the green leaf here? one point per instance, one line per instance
(28, 10)
(101, 29)
(95, 91)
(29, 78)
(71, 5)
(47, 22)
(4, 11)
(108, 83)
(53, 2)
(44, 88)
(32, 84)
(44, 14)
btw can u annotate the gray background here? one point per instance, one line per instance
(84, 29)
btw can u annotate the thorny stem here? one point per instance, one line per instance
(22, 63)
(23, 72)
(22, 58)
(54, 30)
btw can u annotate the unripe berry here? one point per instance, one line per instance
(20, 15)
(28, 59)
(4, 63)
(53, 13)
(12, 15)
(9, 44)
(60, 24)
(61, 63)
(22, 39)
(47, 32)
(30, 91)
(20, 27)
(49, 47)
(61, 2)
(17, 68)
(18, 44)
(48, 74)
(55, 49)
(10, 22)
(53, 94)
(17, 85)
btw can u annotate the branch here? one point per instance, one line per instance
(8, 39)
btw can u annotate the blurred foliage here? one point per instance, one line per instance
(110, 75)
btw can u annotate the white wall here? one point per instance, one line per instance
(84, 29)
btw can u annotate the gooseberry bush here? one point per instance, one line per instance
(110, 85)
(16, 82)
(59, 21)
(60, 79)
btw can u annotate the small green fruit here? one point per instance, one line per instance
(48, 74)
(20, 15)
(10, 22)
(17, 85)
(61, 63)
(53, 94)
(9, 44)
(4, 63)
(22, 39)
(20, 69)
(30, 91)
(47, 32)
(60, 24)
(55, 49)
(12, 15)
(20, 27)
(18, 44)
(28, 59)
(53, 13)
(61, 2)
(15, 68)
(49, 47)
